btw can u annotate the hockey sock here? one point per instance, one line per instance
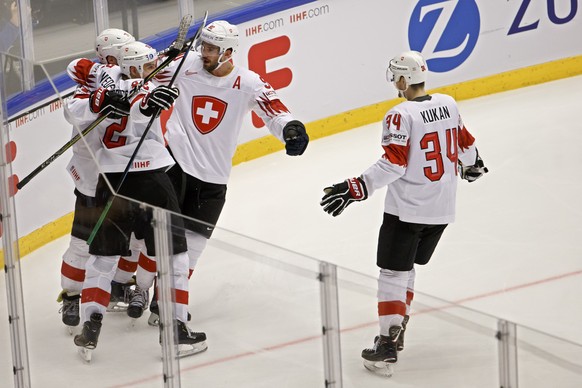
(73, 265)
(391, 299)
(410, 290)
(97, 286)
(196, 244)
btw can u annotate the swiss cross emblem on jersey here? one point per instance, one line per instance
(207, 113)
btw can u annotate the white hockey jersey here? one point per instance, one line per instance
(118, 138)
(203, 128)
(89, 76)
(422, 140)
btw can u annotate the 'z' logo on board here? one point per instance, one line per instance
(444, 31)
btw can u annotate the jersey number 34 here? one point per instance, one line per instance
(431, 142)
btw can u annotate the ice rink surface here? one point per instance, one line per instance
(513, 253)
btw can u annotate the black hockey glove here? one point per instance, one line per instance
(296, 138)
(339, 196)
(173, 51)
(474, 172)
(161, 98)
(112, 103)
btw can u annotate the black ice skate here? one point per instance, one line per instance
(189, 342)
(70, 310)
(400, 342)
(383, 355)
(118, 301)
(87, 340)
(138, 302)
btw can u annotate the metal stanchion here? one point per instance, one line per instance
(14, 296)
(330, 325)
(506, 334)
(171, 367)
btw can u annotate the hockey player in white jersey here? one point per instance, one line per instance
(95, 93)
(93, 76)
(203, 128)
(424, 142)
(145, 182)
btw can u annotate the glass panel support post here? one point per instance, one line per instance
(507, 344)
(330, 325)
(162, 234)
(26, 44)
(101, 11)
(186, 8)
(14, 294)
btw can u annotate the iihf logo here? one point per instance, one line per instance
(444, 31)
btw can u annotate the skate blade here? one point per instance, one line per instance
(86, 354)
(380, 368)
(154, 320)
(131, 324)
(117, 307)
(71, 330)
(189, 350)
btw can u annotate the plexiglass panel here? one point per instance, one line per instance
(439, 338)
(545, 360)
(259, 306)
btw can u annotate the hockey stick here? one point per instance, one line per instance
(181, 38)
(142, 138)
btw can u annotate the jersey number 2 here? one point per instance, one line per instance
(111, 139)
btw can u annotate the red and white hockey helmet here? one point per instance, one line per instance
(410, 65)
(136, 54)
(222, 34)
(110, 41)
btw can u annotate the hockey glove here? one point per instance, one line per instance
(339, 196)
(474, 172)
(172, 52)
(161, 98)
(296, 138)
(110, 103)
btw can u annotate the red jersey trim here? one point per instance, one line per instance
(465, 139)
(396, 154)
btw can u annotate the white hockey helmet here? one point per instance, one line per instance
(410, 65)
(110, 41)
(136, 54)
(222, 34)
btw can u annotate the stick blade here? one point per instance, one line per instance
(183, 30)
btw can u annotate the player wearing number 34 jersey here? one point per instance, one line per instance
(425, 146)
(422, 141)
